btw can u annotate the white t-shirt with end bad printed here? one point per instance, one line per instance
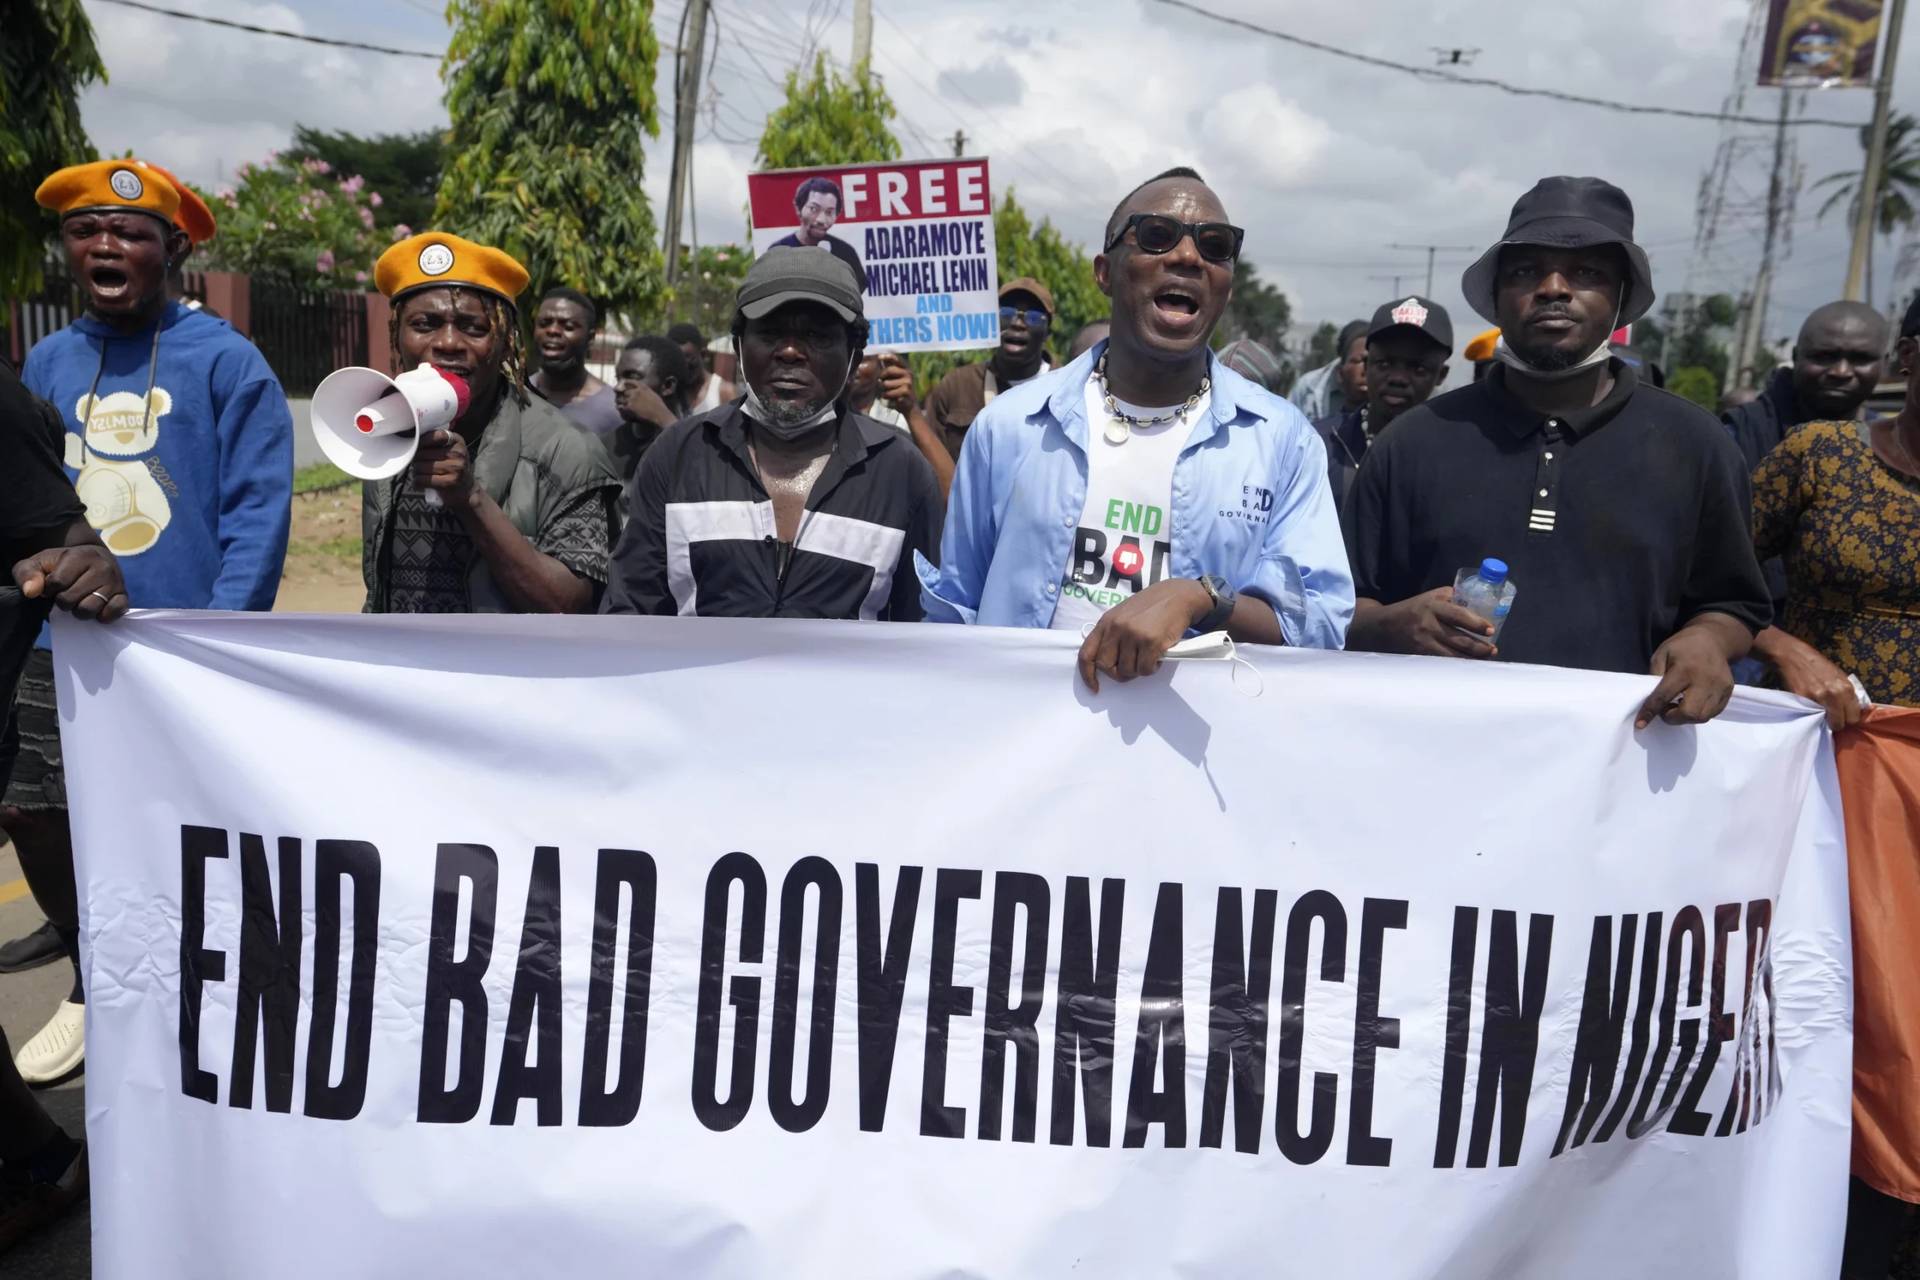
(1124, 537)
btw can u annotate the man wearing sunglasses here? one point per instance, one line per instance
(1026, 318)
(1146, 491)
(1407, 348)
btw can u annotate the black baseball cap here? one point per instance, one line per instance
(795, 274)
(1414, 312)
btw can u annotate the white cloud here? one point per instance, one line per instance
(1264, 138)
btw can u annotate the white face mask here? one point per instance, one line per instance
(756, 408)
(1508, 356)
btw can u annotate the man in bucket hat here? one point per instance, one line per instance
(1621, 510)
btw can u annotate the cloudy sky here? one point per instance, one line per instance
(1326, 163)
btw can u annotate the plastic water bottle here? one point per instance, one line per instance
(1486, 592)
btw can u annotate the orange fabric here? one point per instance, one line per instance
(130, 184)
(1879, 765)
(438, 258)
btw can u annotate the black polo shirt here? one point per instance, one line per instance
(1620, 523)
(700, 536)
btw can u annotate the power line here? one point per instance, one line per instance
(274, 31)
(1488, 82)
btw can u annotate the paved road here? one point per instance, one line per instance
(64, 1250)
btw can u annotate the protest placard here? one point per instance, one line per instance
(917, 234)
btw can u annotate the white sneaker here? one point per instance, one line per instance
(58, 1049)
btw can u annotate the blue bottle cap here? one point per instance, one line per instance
(1494, 571)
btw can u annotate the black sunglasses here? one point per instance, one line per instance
(1156, 233)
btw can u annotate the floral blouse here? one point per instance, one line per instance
(1848, 527)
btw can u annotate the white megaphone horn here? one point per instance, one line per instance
(370, 425)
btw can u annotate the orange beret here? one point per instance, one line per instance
(437, 258)
(1481, 348)
(127, 184)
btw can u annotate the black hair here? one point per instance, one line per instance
(812, 185)
(1910, 322)
(1120, 210)
(578, 299)
(669, 361)
(1348, 332)
(684, 332)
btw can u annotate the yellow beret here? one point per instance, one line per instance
(437, 258)
(1481, 348)
(128, 184)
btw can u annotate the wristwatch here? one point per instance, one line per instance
(1222, 596)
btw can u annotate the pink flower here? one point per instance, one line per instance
(273, 158)
(373, 198)
(366, 219)
(359, 277)
(243, 171)
(224, 193)
(269, 226)
(324, 262)
(402, 231)
(352, 185)
(720, 255)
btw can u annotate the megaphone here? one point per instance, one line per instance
(370, 425)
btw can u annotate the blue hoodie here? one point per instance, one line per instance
(191, 486)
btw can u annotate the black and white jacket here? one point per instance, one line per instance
(700, 537)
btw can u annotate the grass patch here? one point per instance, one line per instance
(320, 476)
(344, 547)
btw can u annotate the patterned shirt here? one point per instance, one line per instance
(1847, 524)
(433, 552)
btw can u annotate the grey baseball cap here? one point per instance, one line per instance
(791, 274)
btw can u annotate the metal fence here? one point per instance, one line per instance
(55, 306)
(307, 334)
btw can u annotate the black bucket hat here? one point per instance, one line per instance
(1567, 213)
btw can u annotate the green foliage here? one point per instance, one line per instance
(1899, 183)
(300, 221)
(404, 168)
(549, 101)
(704, 294)
(829, 120)
(1258, 310)
(1699, 385)
(1700, 339)
(320, 476)
(1320, 347)
(46, 57)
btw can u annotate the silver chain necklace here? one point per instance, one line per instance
(1121, 426)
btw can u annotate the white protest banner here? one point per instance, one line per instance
(698, 947)
(918, 234)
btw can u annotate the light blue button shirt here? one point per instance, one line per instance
(1250, 503)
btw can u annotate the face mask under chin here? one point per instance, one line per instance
(788, 425)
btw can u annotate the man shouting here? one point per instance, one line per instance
(1146, 491)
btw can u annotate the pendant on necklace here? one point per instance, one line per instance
(1116, 432)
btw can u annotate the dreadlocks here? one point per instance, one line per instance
(501, 318)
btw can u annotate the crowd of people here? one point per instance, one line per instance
(1128, 484)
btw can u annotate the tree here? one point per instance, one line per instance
(550, 100)
(829, 120)
(1692, 382)
(1258, 310)
(1320, 347)
(404, 168)
(299, 221)
(708, 283)
(1899, 183)
(1043, 253)
(46, 58)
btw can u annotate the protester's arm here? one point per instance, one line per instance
(952, 593)
(531, 581)
(922, 539)
(1302, 573)
(580, 533)
(255, 430)
(75, 568)
(637, 576)
(1780, 484)
(1428, 622)
(1723, 601)
(896, 388)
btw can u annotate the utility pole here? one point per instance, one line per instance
(1754, 331)
(959, 143)
(1876, 156)
(862, 34)
(1431, 250)
(1396, 282)
(686, 97)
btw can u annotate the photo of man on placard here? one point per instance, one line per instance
(818, 202)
